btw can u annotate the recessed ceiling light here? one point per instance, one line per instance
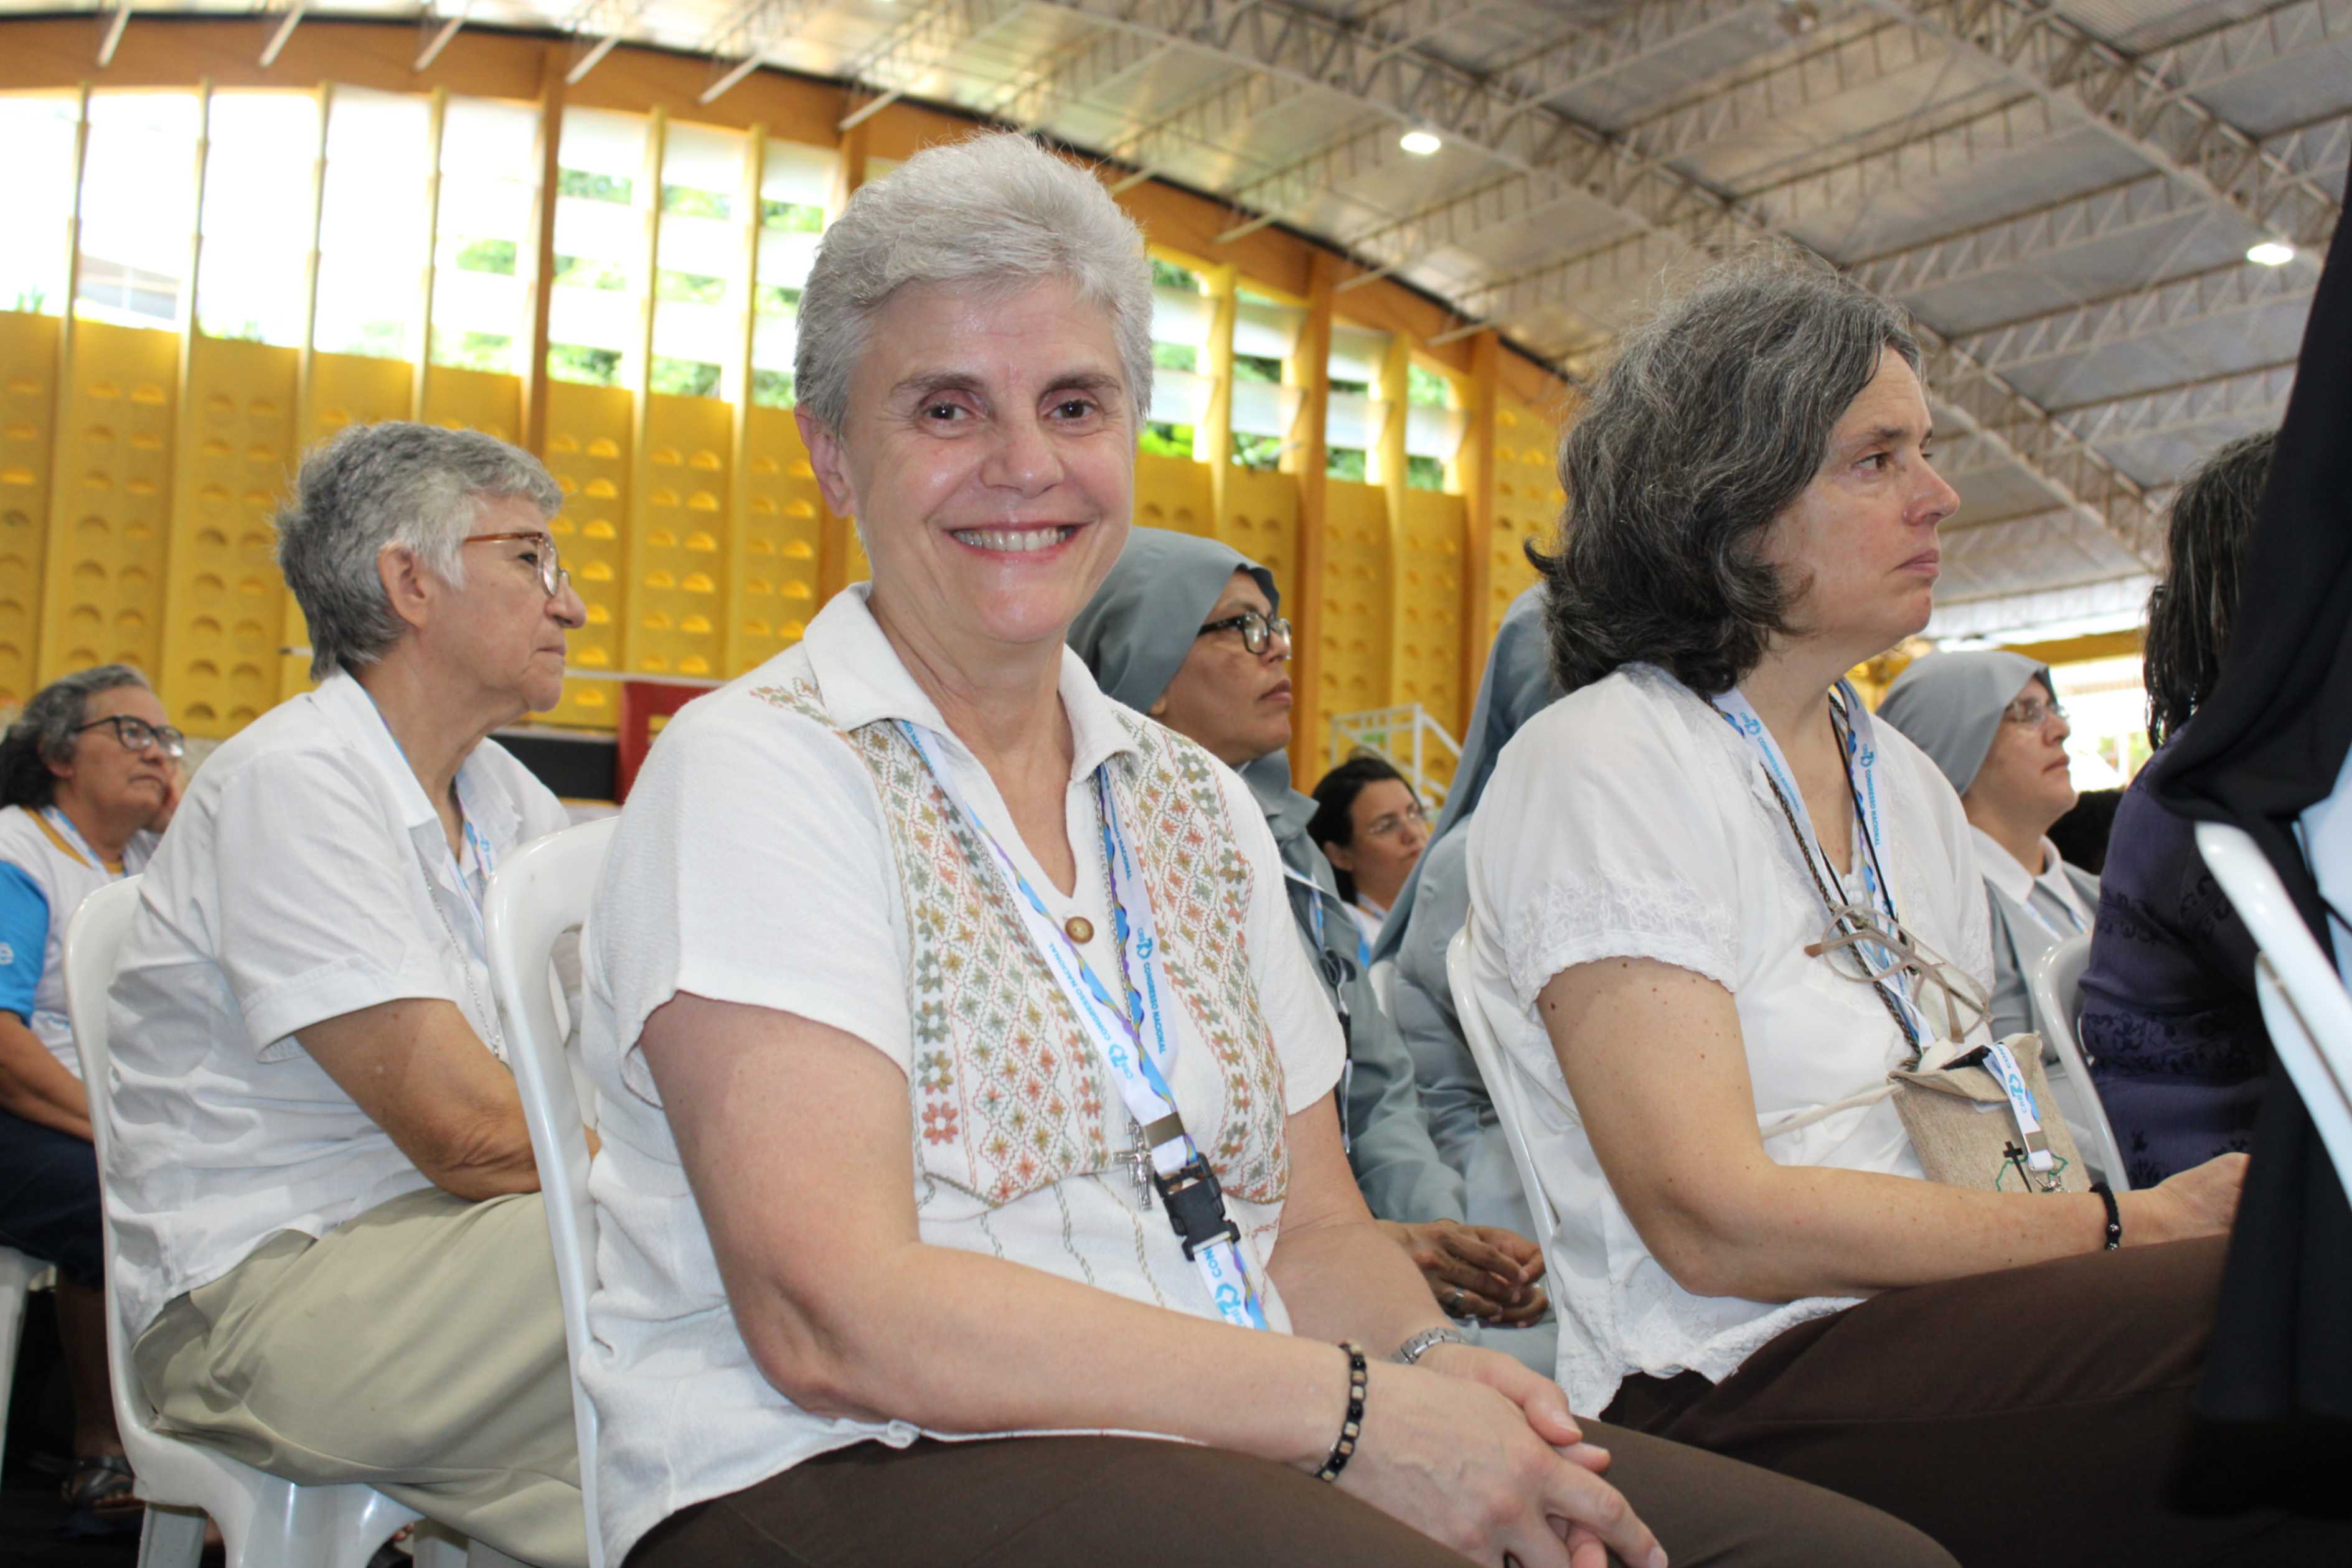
(2271, 252)
(1420, 143)
(1799, 17)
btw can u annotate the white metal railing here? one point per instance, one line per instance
(1407, 736)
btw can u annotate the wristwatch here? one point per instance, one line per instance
(1422, 1344)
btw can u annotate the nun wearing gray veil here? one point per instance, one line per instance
(1187, 631)
(1991, 723)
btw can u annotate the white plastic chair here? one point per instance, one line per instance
(20, 1276)
(2057, 986)
(540, 892)
(264, 1521)
(2304, 1005)
(1504, 1088)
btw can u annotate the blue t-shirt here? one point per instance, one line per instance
(24, 938)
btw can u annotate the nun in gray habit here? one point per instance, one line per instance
(2011, 781)
(1134, 636)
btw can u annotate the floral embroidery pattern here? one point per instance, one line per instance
(1009, 1096)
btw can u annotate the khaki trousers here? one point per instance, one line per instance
(1083, 1502)
(418, 1349)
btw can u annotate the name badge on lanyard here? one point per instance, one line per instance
(1860, 747)
(1132, 1036)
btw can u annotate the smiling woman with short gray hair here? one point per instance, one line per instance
(964, 1076)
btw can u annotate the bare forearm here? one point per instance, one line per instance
(1006, 1347)
(1348, 1281)
(1787, 1232)
(35, 1086)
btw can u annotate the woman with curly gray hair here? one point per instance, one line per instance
(89, 776)
(331, 1253)
(1714, 906)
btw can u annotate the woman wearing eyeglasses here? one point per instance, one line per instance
(333, 1256)
(1714, 904)
(1189, 631)
(1369, 825)
(1990, 722)
(90, 775)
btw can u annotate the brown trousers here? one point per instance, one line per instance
(1081, 1502)
(2032, 1415)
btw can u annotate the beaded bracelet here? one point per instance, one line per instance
(1349, 1429)
(2114, 1214)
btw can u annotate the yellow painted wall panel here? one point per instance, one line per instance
(1527, 499)
(474, 400)
(1426, 665)
(773, 569)
(355, 389)
(1356, 600)
(1262, 522)
(588, 451)
(225, 605)
(103, 582)
(29, 357)
(1172, 492)
(678, 557)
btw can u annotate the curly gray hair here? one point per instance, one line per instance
(371, 486)
(995, 209)
(1714, 417)
(49, 729)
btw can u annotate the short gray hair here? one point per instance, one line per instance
(1714, 417)
(994, 209)
(376, 485)
(49, 729)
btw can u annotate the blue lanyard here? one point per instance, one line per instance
(1131, 1035)
(1856, 741)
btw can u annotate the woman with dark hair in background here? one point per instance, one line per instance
(1714, 906)
(88, 776)
(1371, 827)
(2170, 1019)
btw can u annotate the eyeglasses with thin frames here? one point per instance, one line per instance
(2031, 711)
(1257, 633)
(552, 577)
(1862, 946)
(137, 734)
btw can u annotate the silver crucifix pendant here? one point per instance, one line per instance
(1140, 1157)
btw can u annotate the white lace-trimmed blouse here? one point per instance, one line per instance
(786, 848)
(1628, 820)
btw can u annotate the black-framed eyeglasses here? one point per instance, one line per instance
(1257, 633)
(2031, 711)
(552, 577)
(137, 734)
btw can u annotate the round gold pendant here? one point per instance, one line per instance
(1078, 929)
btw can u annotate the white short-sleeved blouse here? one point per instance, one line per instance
(305, 876)
(785, 848)
(1628, 820)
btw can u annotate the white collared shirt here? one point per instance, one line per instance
(755, 864)
(48, 874)
(1628, 820)
(306, 876)
(2001, 869)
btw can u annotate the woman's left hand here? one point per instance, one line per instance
(1475, 1270)
(1545, 1404)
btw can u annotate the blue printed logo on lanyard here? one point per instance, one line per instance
(1860, 749)
(1133, 1034)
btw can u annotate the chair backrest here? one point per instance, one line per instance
(2056, 982)
(1502, 1087)
(93, 947)
(537, 894)
(2304, 1004)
